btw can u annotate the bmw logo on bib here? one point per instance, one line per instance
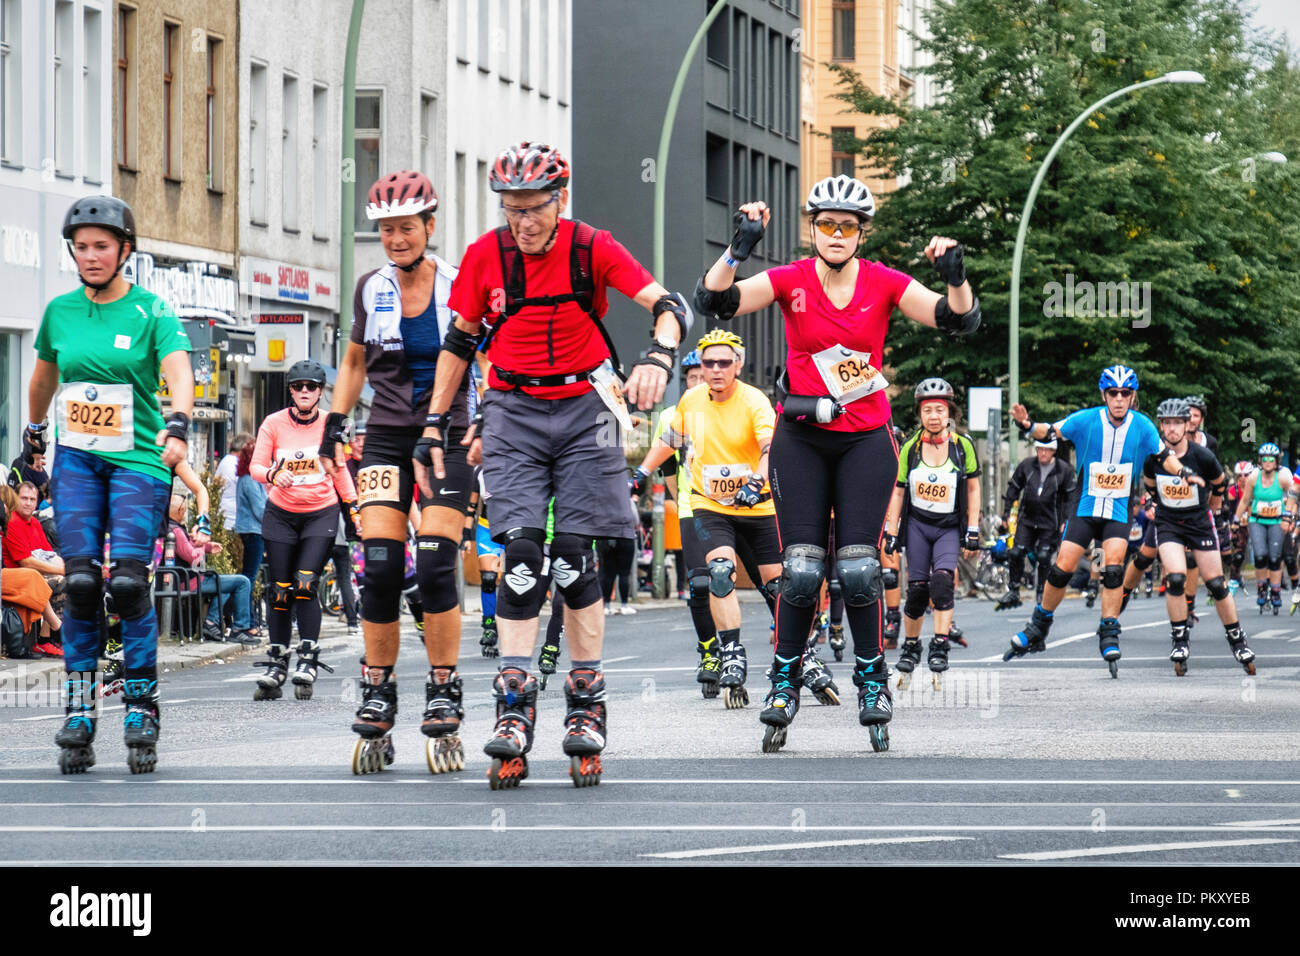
(298, 453)
(933, 476)
(726, 472)
(92, 393)
(1110, 469)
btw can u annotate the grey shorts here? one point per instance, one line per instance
(567, 448)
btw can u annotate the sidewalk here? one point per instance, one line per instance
(172, 656)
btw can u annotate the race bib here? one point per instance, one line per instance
(721, 482)
(95, 417)
(1109, 481)
(1268, 509)
(1176, 493)
(848, 375)
(605, 381)
(303, 465)
(933, 490)
(378, 483)
(1135, 533)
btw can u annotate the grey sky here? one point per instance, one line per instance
(1280, 15)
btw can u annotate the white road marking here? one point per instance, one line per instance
(472, 780)
(1080, 636)
(1270, 634)
(1264, 823)
(1136, 848)
(619, 660)
(778, 847)
(634, 828)
(103, 710)
(1233, 793)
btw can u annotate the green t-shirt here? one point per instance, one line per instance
(98, 347)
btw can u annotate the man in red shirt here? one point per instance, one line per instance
(26, 546)
(551, 421)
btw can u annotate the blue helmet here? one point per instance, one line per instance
(1118, 376)
(1268, 448)
(691, 359)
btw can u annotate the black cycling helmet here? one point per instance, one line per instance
(107, 212)
(307, 370)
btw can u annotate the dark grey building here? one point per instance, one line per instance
(735, 139)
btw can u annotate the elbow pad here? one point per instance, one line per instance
(675, 303)
(956, 323)
(460, 343)
(721, 305)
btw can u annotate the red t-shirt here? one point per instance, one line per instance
(812, 323)
(22, 537)
(545, 340)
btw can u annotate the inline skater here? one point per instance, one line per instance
(1195, 433)
(1042, 486)
(937, 490)
(402, 322)
(301, 519)
(489, 570)
(832, 447)
(553, 400)
(1237, 533)
(1263, 496)
(99, 353)
(1110, 441)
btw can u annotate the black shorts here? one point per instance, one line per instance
(1083, 530)
(1198, 534)
(290, 527)
(388, 448)
(717, 530)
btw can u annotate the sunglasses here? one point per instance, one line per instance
(304, 387)
(828, 227)
(717, 363)
(515, 213)
(1121, 392)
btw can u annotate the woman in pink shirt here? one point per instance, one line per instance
(298, 526)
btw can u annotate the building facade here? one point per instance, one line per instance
(55, 146)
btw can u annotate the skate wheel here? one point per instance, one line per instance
(827, 697)
(585, 771)
(904, 680)
(302, 691)
(839, 656)
(879, 734)
(735, 697)
(1250, 668)
(709, 689)
(76, 760)
(935, 682)
(506, 774)
(541, 683)
(773, 739)
(268, 693)
(444, 754)
(141, 759)
(1114, 668)
(1180, 668)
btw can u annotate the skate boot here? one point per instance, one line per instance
(1034, 637)
(277, 669)
(304, 678)
(837, 642)
(443, 751)
(937, 659)
(584, 736)
(547, 659)
(76, 755)
(112, 681)
(488, 642)
(1237, 641)
(1275, 599)
(1182, 651)
(140, 726)
(1295, 599)
(875, 705)
(734, 669)
(1090, 595)
(1009, 600)
(782, 702)
(374, 724)
(893, 618)
(710, 669)
(821, 626)
(957, 636)
(1108, 638)
(1146, 587)
(1192, 617)
(1261, 596)
(817, 677)
(907, 661)
(516, 696)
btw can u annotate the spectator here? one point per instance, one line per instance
(21, 471)
(250, 504)
(26, 546)
(228, 473)
(236, 592)
(25, 588)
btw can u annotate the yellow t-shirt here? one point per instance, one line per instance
(726, 439)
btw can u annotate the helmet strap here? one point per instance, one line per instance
(99, 287)
(305, 418)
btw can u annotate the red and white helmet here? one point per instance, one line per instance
(405, 193)
(528, 166)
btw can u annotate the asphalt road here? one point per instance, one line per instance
(1044, 759)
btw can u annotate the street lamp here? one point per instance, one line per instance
(1177, 76)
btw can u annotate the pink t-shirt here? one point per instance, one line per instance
(812, 323)
(281, 439)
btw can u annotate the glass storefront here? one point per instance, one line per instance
(11, 388)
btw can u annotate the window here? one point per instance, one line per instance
(740, 192)
(320, 152)
(462, 30)
(757, 49)
(215, 118)
(739, 89)
(562, 45)
(428, 130)
(171, 101)
(257, 162)
(11, 112)
(775, 201)
(504, 42)
(369, 116)
(525, 44)
(462, 213)
(775, 75)
(544, 45)
(718, 44)
(481, 187)
(843, 25)
(484, 36)
(92, 78)
(126, 88)
(289, 173)
(842, 160)
(63, 79)
(717, 174)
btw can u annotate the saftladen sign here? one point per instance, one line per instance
(281, 340)
(285, 282)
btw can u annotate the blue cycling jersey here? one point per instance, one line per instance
(1109, 459)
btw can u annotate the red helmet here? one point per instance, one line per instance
(528, 166)
(406, 193)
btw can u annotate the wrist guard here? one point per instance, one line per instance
(178, 426)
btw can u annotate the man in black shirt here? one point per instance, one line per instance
(1043, 485)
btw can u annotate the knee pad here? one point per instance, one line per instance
(128, 582)
(1017, 553)
(803, 568)
(488, 582)
(1142, 562)
(918, 599)
(305, 585)
(1218, 588)
(858, 568)
(385, 574)
(941, 589)
(281, 595)
(1112, 576)
(722, 572)
(1043, 556)
(1175, 584)
(889, 578)
(573, 567)
(1275, 564)
(435, 572)
(1058, 578)
(521, 598)
(83, 587)
(699, 587)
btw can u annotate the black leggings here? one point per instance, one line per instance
(812, 471)
(283, 562)
(341, 555)
(617, 557)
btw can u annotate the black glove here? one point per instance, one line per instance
(748, 234)
(33, 441)
(891, 543)
(950, 266)
(637, 483)
(748, 496)
(971, 540)
(336, 424)
(423, 448)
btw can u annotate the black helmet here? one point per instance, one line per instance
(308, 370)
(935, 388)
(1197, 402)
(107, 212)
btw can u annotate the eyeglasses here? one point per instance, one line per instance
(828, 227)
(1121, 392)
(717, 363)
(516, 213)
(304, 387)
